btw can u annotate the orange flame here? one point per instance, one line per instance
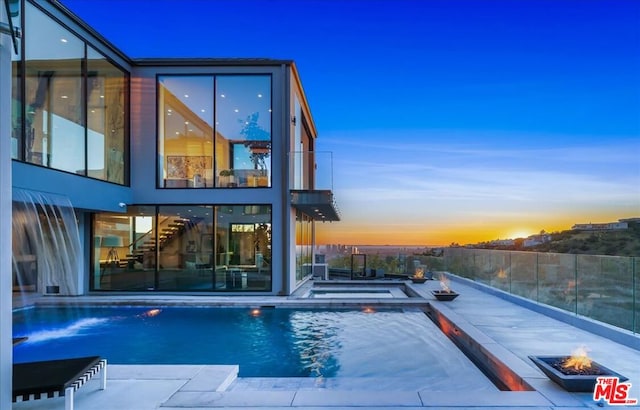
(502, 274)
(419, 273)
(444, 283)
(578, 361)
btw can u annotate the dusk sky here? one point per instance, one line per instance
(448, 120)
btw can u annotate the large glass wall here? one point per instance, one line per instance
(243, 118)
(214, 131)
(74, 112)
(183, 248)
(106, 119)
(186, 130)
(54, 88)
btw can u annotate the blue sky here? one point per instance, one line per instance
(449, 120)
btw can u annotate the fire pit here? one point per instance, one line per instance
(418, 276)
(573, 373)
(444, 295)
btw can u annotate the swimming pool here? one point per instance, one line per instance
(270, 342)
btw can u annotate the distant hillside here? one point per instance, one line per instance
(617, 243)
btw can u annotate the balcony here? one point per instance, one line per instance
(312, 185)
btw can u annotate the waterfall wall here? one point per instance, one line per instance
(47, 251)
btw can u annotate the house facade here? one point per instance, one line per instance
(157, 175)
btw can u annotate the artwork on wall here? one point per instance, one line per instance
(183, 166)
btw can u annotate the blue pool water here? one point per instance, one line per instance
(265, 343)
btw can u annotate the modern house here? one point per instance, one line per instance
(157, 175)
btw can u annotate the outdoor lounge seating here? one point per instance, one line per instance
(56, 378)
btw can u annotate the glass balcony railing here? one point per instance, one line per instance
(311, 170)
(604, 288)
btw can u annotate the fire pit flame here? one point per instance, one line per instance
(419, 273)
(444, 283)
(578, 361)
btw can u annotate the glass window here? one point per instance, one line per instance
(54, 121)
(243, 125)
(242, 129)
(124, 253)
(183, 248)
(106, 119)
(243, 247)
(185, 244)
(185, 146)
(303, 246)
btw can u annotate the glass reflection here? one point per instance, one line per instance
(183, 248)
(186, 131)
(106, 119)
(54, 115)
(243, 118)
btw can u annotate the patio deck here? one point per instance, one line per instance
(507, 330)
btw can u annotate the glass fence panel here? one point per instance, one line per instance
(523, 273)
(482, 265)
(501, 269)
(467, 260)
(605, 289)
(557, 280)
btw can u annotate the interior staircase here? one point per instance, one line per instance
(169, 229)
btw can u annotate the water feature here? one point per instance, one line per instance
(47, 253)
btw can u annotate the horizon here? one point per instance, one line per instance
(467, 243)
(449, 120)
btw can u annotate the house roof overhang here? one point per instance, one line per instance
(317, 204)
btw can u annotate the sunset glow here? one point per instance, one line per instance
(450, 121)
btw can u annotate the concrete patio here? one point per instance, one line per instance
(504, 328)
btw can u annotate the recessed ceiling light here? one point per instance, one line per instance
(64, 96)
(202, 110)
(186, 96)
(64, 40)
(222, 96)
(236, 110)
(259, 95)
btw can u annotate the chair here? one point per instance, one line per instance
(56, 378)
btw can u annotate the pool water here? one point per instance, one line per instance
(270, 342)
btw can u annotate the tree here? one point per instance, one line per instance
(258, 141)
